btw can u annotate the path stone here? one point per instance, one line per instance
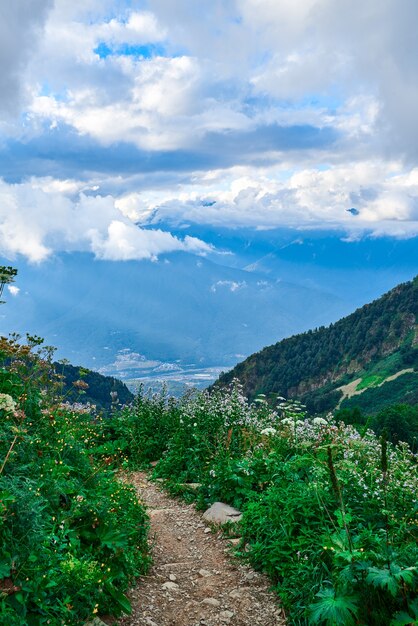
(211, 601)
(193, 582)
(221, 513)
(169, 585)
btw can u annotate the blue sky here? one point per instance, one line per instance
(232, 113)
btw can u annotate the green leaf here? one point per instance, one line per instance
(403, 619)
(390, 580)
(384, 579)
(333, 609)
(112, 537)
(407, 619)
(121, 600)
(4, 570)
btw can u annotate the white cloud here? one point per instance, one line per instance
(231, 285)
(13, 290)
(124, 242)
(157, 104)
(384, 195)
(35, 223)
(126, 359)
(232, 69)
(20, 30)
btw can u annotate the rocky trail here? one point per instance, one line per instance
(194, 580)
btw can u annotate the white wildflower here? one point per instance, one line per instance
(7, 403)
(287, 421)
(268, 431)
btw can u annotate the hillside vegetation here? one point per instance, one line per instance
(329, 510)
(329, 505)
(372, 343)
(79, 384)
(72, 536)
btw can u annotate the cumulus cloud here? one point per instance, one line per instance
(237, 112)
(125, 242)
(20, 30)
(318, 50)
(13, 290)
(36, 220)
(384, 197)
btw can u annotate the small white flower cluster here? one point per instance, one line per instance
(7, 403)
(319, 421)
(269, 431)
(78, 407)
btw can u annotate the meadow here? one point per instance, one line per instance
(329, 509)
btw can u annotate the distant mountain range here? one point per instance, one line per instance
(184, 318)
(367, 360)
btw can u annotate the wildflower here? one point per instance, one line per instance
(269, 431)
(80, 384)
(7, 403)
(319, 421)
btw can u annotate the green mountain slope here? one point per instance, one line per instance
(83, 385)
(356, 355)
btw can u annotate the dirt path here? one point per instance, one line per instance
(351, 390)
(193, 581)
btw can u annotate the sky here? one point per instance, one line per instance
(229, 113)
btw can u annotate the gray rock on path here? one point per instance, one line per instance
(211, 602)
(221, 513)
(170, 585)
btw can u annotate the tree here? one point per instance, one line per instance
(7, 276)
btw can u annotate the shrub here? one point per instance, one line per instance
(328, 510)
(72, 536)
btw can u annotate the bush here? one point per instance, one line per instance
(328, 511)
(72, 536)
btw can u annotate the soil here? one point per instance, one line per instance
(195, 581)
(350, 389)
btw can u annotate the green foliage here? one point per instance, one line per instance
(402, 390)
(7, 276)
(407, 619)
(370, 381)
(400, 421)
(328, 513)
(333, 610)
(98, 390)
(391, 578)
(72, 536)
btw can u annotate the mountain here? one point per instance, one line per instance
(184, 318)
(137, 318)
(372, 351)
(355, 270)
(82, 385)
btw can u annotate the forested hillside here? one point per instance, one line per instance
(380, 339)
(83, 385)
